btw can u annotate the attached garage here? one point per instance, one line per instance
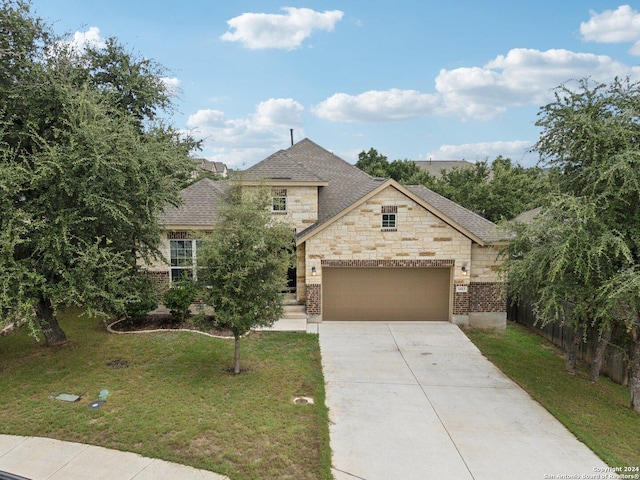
(386, 293)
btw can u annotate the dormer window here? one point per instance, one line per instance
(279, 200)
(389, 218)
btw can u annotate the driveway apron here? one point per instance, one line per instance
(418, 401)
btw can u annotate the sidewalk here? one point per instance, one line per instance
(37, 458)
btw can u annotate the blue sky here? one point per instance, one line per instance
(414, 79)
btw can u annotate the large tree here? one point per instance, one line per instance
(561, 261)
(244, 263)
(82, 177)
(592, 135)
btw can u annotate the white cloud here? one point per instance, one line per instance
(263, 30)
(243, 141)
(81, 40)
(517, 150)
(377, 106)
(522, 77)
(614, 26)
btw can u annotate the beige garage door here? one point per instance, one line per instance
(385, 294)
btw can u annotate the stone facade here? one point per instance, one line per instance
(420, 240)
(363, 221)
(302, 205)
(358, 235)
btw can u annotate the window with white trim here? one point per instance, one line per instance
(279, 200)
(182, 256)
(389, 218)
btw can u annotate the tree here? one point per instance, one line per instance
(560, 261)
(496, 191)
(402, 170)
(244, 263)
(622, 296)
(82, 181)
(592, 136)
(373, 163)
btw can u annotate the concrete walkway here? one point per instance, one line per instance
(46, 459)
(418, 401)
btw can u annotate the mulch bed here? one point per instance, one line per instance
(165, 322)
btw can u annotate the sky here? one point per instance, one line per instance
(413, 79)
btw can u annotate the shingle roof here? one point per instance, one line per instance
(281, 166)
(528, 216)
(342, 185)
(346, 183)
(474, 223)
(199, 204)
(435, 167)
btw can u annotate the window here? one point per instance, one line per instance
(389, 220)
(279, 200)
(182, 255)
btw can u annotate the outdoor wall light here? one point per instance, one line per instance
(464, 269)
(313, 271)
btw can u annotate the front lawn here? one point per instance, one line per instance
(597, 414)
(172, 396)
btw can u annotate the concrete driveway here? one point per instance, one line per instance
(418, 401)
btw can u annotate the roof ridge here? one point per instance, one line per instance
(299, 145)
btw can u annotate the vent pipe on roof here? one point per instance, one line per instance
(291, 130)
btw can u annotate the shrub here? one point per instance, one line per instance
(147, 297)
(179, 298)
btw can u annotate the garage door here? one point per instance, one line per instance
(385, 293)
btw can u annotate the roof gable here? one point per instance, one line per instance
(473, 226)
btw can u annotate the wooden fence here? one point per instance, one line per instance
(615, 364)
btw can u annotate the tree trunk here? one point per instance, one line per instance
(53, 334)
(596, 364)
(572, 352)
(236, 368)
(634, 372)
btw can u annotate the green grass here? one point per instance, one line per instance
(597, 414)
(176, 400)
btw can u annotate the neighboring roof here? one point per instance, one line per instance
(210, 166)
(474, 223)
(435, 167)
(219, 167)
(199, 204)
(528, 216)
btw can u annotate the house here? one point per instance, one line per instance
(367, 248)
(436, 167)
(202, 165)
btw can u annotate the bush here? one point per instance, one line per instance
(147, 297)
(179, 298)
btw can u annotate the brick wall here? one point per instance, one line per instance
(460, 302)
(314, 299)
(161, 279)
(387, 263)
(487, 297)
